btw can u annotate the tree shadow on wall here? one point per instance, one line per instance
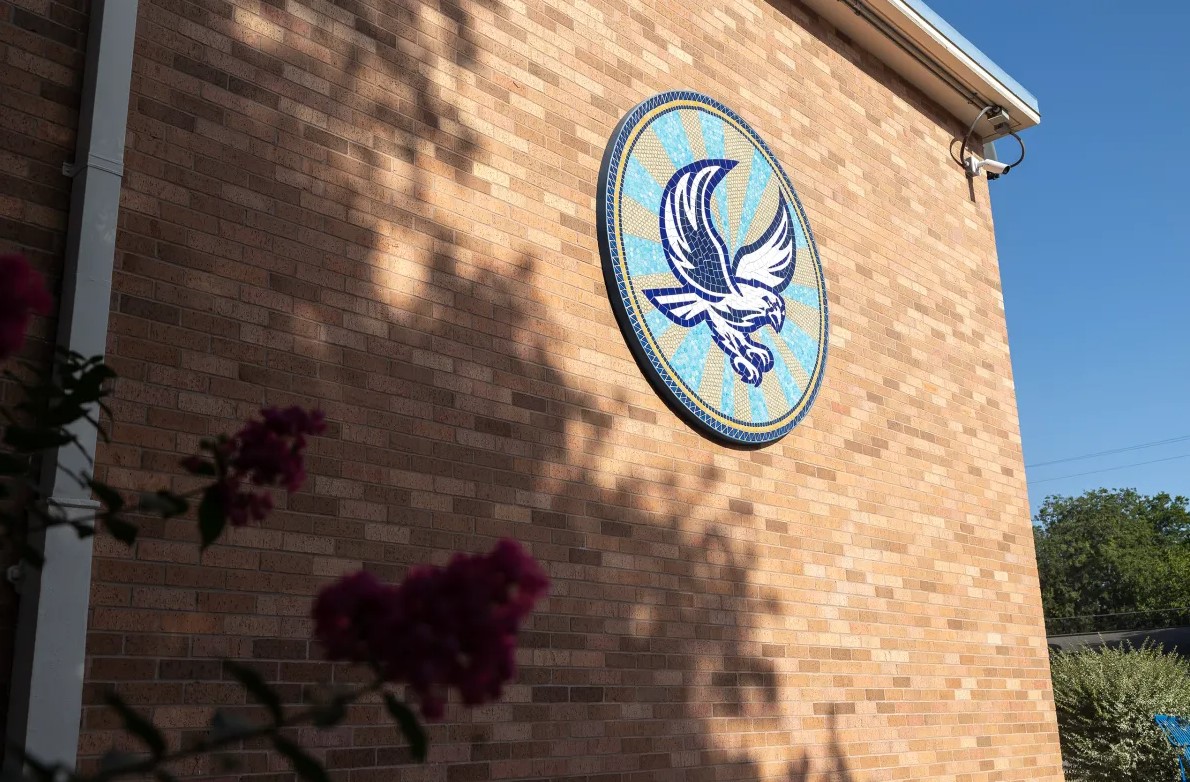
(834, 768)
(464, 366)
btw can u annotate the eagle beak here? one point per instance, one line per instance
(777, 318)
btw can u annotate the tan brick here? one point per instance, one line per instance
(391, 215)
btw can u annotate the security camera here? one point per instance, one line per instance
(994, 168)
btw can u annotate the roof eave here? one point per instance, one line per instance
(930, 54)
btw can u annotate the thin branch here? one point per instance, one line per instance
(212, 744)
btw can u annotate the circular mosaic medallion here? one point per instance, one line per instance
(711, 268)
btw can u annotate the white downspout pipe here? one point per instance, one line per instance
(50, 650)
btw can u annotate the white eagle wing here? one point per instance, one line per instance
(768, 262)
(695, 251)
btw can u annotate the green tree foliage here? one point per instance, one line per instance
(1106, 699)
(1113, 552)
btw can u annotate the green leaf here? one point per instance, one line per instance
(164, 503)
(212, 517)
(89, 385)
(415, 734)
(107, 495)
(30, 440)
(63, 414)
(137, 725)
(13, 464)
(120, 529)
(306, 766)
(256, 687)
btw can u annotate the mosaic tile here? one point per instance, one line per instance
(712, 269)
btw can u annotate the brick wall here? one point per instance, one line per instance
(42, 44)
(386, 208)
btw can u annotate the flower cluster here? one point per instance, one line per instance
(269, 452)
(22, 294)
(240, 505)
(441, 627)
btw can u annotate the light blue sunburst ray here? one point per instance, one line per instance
(640, 186)
(672, 134)
(727, 402)
(802, 294)
(760, 410)
(689, 359)
(657, 323)
(712, 139)
(788, 384)
(757, 180)
(799, 233)
(644, 256)
(802, 345)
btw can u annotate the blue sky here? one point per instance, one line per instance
(1092, 234)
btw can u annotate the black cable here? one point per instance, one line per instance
(1110, 469)
(1141, 446)
(1020, 159)
(943, 74)
(962, 161)
(1057, 621)
(1120, 613)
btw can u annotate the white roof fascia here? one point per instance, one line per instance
(931, 55)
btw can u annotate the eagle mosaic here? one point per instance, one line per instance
(712, 269)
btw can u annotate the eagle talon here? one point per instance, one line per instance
(746, 370)
(760, 355)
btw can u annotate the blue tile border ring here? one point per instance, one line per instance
(711, 269)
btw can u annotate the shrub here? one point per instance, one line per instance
(442, 628)
(1106, 699)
